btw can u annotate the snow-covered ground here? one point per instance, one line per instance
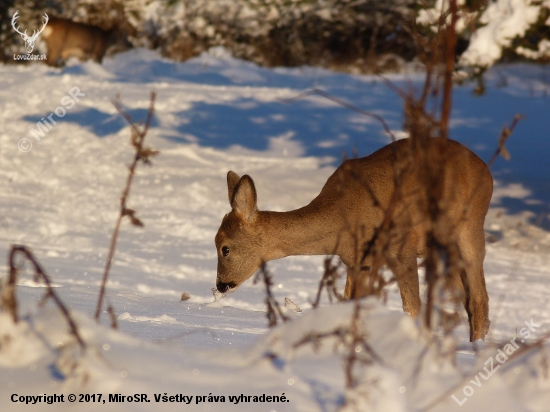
(214, 114)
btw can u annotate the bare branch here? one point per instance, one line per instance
(450, 51)
(273, 309)
(143, 154)
(342, 103)
(50, 293)
(504, 135)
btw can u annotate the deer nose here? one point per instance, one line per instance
(223, 287)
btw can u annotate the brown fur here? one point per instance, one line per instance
(66, 38)
(345, 215)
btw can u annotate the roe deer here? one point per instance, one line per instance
(66, 38)
(359, 191)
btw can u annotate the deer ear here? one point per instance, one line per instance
(232, 180)
(244, 199)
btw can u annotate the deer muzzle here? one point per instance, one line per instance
(226, 287)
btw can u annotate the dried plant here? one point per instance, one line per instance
(443, 261)
(358, 349)
(504, 135)
(351, 340)
(142, 154)
(8, 299)
(329, 283)
(112, 316)
(274, 311)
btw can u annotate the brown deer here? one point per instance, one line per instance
(66, 38)
(356, 195)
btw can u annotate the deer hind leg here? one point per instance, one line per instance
(476, 300)
(405, 269)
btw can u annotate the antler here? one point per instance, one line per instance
(13, 21)
(25, 35)
(36, 33)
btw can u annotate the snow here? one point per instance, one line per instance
(430, 16)
(499, 24)
(504, 20)
(543, 49)
(215, 113)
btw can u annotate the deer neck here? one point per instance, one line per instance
(309, 230)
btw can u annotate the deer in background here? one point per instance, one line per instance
(65, 38)
(348, 211)
(29, 41)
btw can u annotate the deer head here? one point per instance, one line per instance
(239, 239)
(29, 41)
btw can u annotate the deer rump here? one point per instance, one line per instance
(345, 215)
(65, 39)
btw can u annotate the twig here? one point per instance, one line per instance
(504, 135)
(273, 308)
(143, 154)
(328, 282)
(356, 338)
(342, 333)
(343, 104)
(449, 69)
(112, 316)
(50, 293)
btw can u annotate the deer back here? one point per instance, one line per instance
(65, 38)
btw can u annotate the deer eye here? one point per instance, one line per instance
(225, 251)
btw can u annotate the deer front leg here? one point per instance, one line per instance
(355, 282)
